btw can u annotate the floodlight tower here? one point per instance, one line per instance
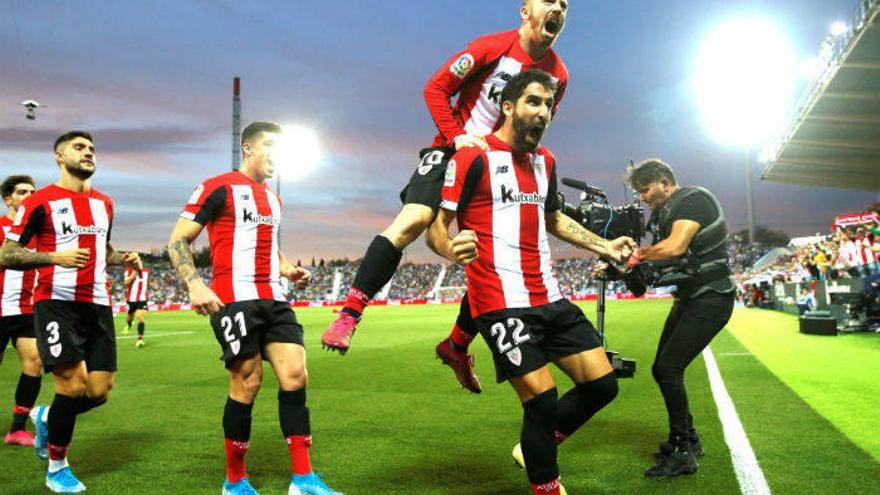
(236, 125)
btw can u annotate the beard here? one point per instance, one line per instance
(526, 136)
(79, 171)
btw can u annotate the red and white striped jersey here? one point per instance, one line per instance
(57, 219)
(243, 218)
(17, 297)
(138, 290)
(503, 195)
(478, 74)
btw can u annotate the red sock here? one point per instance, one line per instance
(21, 410)
(299, 454)
(235, 452)
(460, 338)
(57, 452)
(559, 437)
(356, 300)
(549, 488)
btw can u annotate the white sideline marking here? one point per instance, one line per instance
(735, 354)
(745, 464)
(151, 335)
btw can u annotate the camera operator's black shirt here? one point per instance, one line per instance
(699, 208)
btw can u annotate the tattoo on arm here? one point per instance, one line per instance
(114, 257)
(15, 257)
(182, 261)
(578, 233)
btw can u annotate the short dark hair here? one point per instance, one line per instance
(70, 136)
(517, 84)
(8, 185)
(650, 171)
(255, 128)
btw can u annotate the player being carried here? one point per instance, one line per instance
(17, 318)
(137, 283)
(506, 203)
(251, 317)
(69, 223)
(477, 74)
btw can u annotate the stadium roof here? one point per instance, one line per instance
(834, 138)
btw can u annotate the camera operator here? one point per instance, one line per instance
(686, 223)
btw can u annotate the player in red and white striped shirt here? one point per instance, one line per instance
(137, 283)
(69, 223)
(506, 204)
(477, 74)
(17, 319)
(251, 316)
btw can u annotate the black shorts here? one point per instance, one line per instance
(15, 327)
(244, 328)
(134, 306)
(69, 332)
(526, 339)
(426, 184)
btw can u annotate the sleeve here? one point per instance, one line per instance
(551, 204)
(462, 174)
(446, 82)
(111, 210)
(28, 221)
(697, 208)
(205, 204)
(560, 92)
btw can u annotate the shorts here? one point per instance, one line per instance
(523, 340)
(426, 184)
(69, 332)
(15, 327)
(136, 305)
(244, 328)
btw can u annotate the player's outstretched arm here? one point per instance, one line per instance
(130, 259)
(203, 299)
(15, 257)
(461, 249)
(683, 232)
(567, 229)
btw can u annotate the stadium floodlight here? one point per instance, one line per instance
(297, 153)
(812, 68)
(744, 78)
(838, 28)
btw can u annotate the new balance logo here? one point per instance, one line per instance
(66, 229)
(509, 196)
(251, 217)
(501, 169)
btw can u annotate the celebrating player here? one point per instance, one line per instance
(506, 203)
(69, 223)
(17, 318)
(251, 317)
(137, 285)
(477, 74)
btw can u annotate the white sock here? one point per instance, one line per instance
(55, 466)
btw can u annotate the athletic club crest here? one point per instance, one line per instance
(235, 346)
(515, 356)
(55, 350)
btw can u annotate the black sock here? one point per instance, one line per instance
(537, 437)
(25, 396)
(583, 401)
(85, 404)
(237, 420)
(128, 323)
(378, 266)
(62, 419)
(141, 329)
(465, 321)
(293, 413)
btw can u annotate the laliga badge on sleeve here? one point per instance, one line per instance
(462, 65)
(449, 180)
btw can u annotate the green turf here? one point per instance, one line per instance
(389, 419)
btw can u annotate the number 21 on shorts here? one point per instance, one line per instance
(226, 323)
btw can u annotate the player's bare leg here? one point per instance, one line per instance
(26, 392)
(245, 378)
(289, 362)
(378, 266)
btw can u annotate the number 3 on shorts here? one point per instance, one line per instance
(226, 323)
(516, 326)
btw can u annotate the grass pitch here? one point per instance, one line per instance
(389, 419)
